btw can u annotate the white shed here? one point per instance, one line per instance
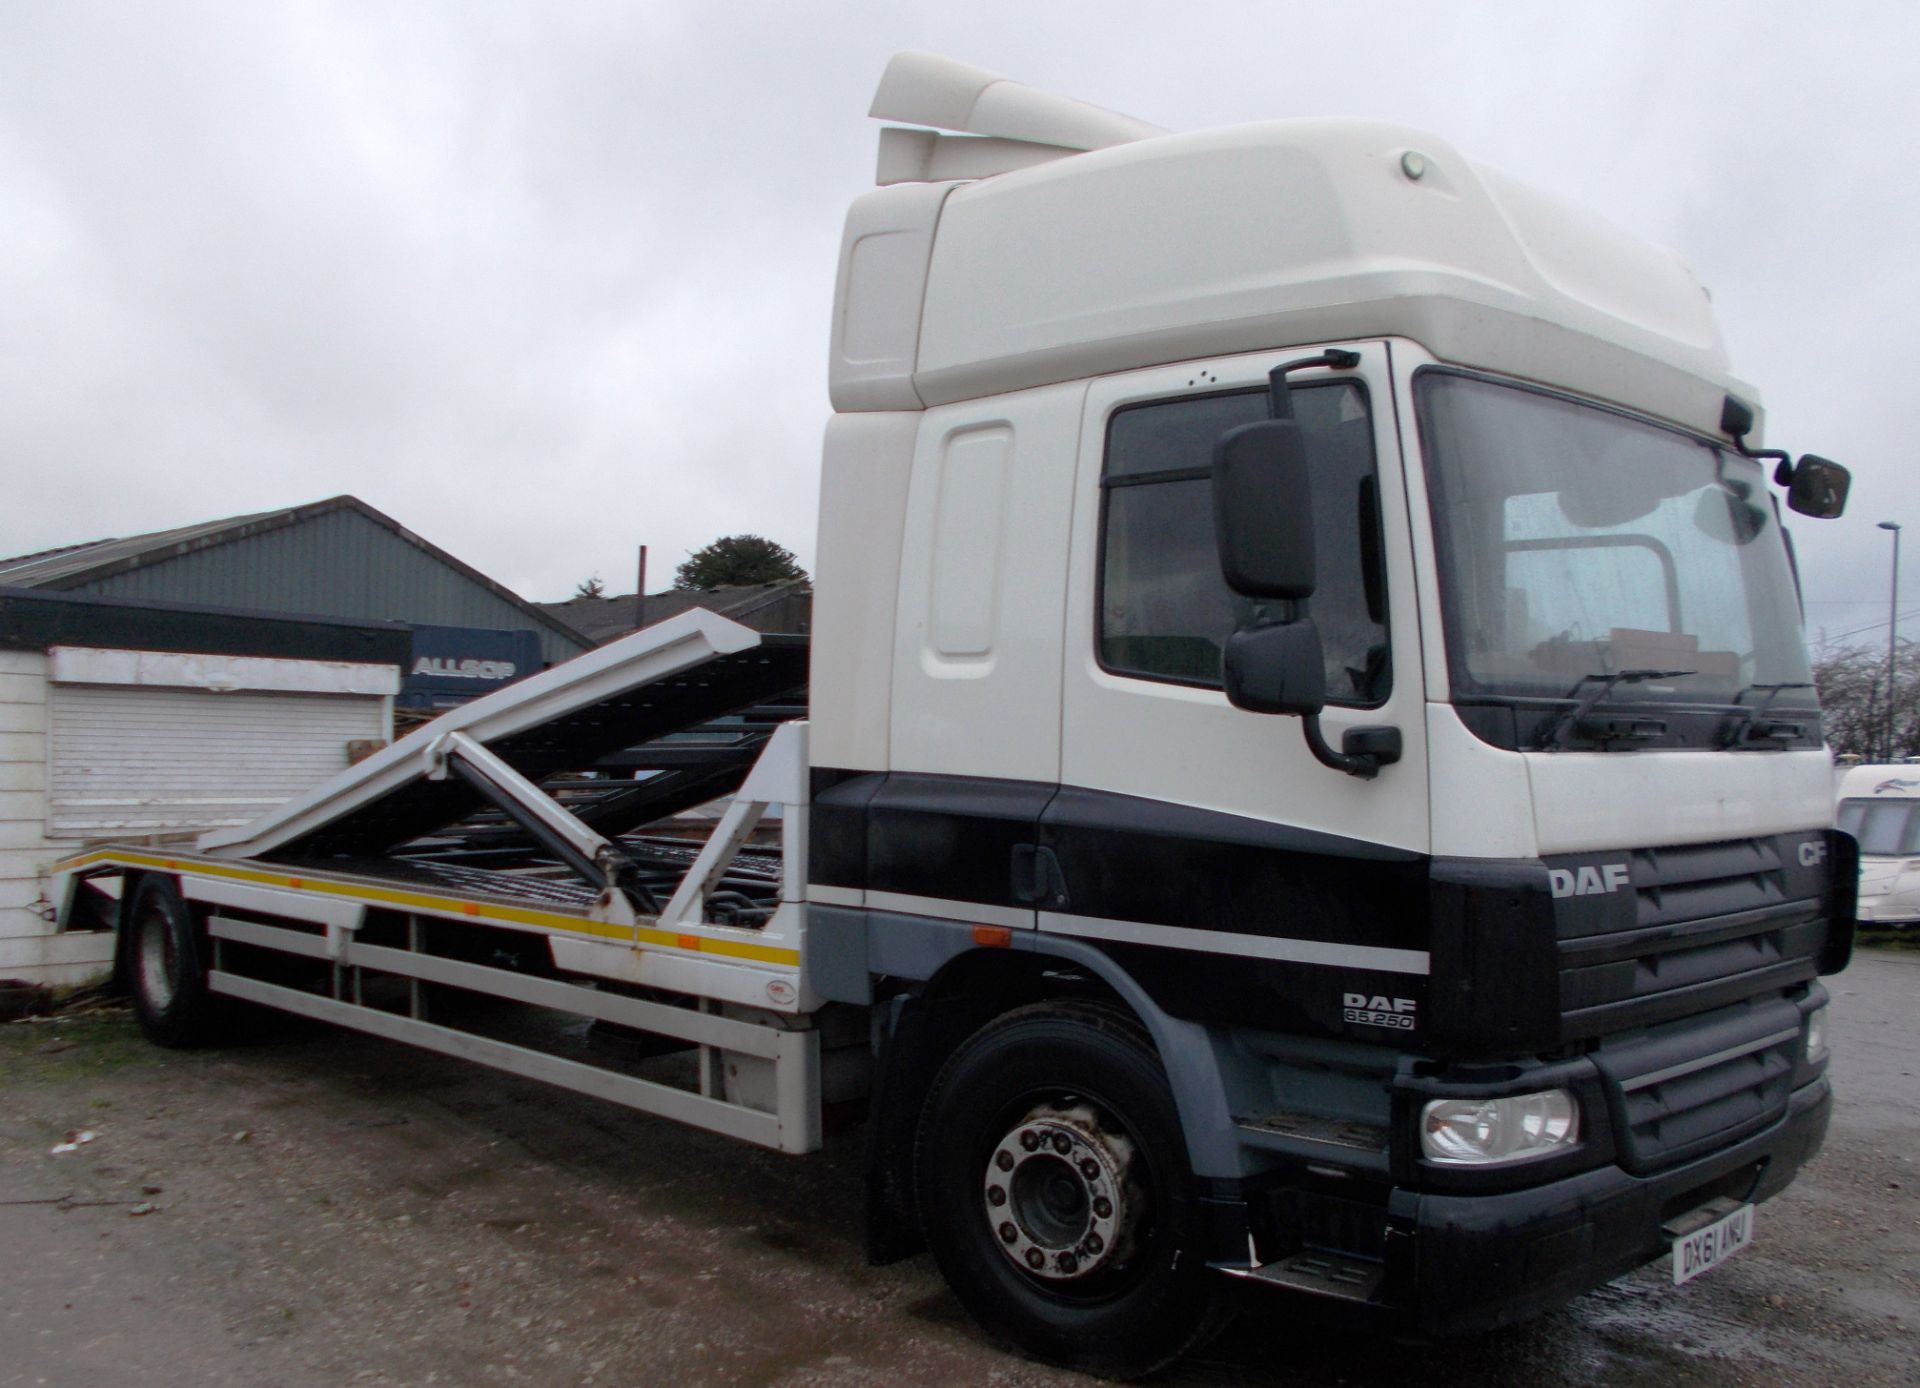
(102, 738)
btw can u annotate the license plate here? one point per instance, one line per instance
(1707, 1248)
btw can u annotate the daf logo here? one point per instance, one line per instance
(1813, 853)
(1367, 1010)
(1588, 881)
(1378, 1004)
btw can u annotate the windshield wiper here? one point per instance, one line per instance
(1745, 730)
(1641, 729)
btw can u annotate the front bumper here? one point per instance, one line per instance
(1465, 1263)
(1888, 913)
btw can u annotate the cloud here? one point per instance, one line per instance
(546, 282)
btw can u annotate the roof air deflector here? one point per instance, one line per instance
(1016, 126)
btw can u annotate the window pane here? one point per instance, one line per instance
(1576, 542)
(1164, 610)
(1177, 433)
(1884, 828)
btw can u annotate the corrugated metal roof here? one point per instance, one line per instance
(603, 619)
(50, 566)
(295, 572)
(46, 553)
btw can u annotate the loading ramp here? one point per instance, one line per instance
(514, 848)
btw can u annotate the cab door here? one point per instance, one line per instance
(1185, 823)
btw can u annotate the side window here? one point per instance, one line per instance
(1165, 612)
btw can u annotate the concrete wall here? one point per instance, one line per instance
(29, 948)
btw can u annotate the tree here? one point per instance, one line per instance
(592, 588)
(737, 560)
(1853, 701)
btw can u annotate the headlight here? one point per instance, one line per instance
(1817, 1033)
(1484, 1132)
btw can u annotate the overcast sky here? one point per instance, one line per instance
(546, 281)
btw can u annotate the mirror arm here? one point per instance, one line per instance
(1363, 750)
(1825, 496)
(1280, 399)
(1736, 422)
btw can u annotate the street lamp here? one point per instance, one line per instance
(1893, 626)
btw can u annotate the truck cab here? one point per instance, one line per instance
(1465, 852)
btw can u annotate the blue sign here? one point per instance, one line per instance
(452, 665)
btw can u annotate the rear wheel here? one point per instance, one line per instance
(166, 968)
(1056, 1196)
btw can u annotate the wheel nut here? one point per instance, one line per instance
(1008, 1233)
(1062, 1143)
(1103, 1208)
(1030, 1139)
(1003, 1160)
(1035, 1258)
(1090, 1168)
(1094, 1244)
(996, 1196)
(1068, 1263)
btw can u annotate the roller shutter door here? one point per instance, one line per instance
(140, 760)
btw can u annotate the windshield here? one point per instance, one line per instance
(1590, 560)
(1885, 828)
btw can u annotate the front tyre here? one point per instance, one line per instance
(1055, 1193)
(166, 968)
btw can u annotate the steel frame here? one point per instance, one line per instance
(794, 1050)
(753, 972)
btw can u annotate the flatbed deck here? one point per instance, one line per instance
(492, 851)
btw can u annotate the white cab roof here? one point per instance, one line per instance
(1161, 248)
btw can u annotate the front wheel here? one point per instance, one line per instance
(1056, 1196)
(167, 969)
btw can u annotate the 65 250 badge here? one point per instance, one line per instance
(1366, 1010)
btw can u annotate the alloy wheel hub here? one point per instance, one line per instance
(1055, 1194)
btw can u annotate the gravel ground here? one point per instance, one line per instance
(316, 1208)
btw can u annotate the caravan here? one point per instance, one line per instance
(1880, 806)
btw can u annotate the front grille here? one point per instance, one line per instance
(1711, 923)
(1679, 1092)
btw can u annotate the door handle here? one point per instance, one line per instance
(1037, 878)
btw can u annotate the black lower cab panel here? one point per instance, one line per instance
(1448, 1264)
(1480, 1267)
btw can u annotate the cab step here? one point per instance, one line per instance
(1335, 1275)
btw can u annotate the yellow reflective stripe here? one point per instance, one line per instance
(473, 910)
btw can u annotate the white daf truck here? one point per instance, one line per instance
(1309, 775)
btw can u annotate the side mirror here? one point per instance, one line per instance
(1263, 512)
(1277, 669)
(1818, 488)
(1263, 524)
